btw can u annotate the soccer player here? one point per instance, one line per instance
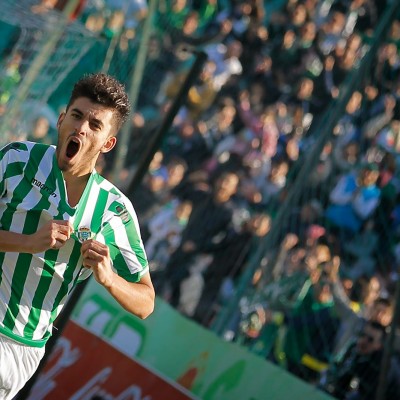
(60, 221)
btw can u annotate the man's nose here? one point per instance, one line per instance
(81, 127)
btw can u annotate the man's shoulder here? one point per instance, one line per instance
(23, 146)
(15, 147)
(118, 197)
(106, 185)
(22, 151)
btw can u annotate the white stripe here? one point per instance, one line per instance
(124, 246)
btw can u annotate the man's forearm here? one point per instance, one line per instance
(14, 242)
(137, 298)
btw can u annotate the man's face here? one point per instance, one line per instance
(84, 131)
(228, 184)
(370, 340)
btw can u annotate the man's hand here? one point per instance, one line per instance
(52, 235)
(96, 256)
(136, 297)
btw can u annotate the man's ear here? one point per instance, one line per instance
(60, 119)
(109, 144)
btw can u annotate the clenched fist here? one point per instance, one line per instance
(52, 235)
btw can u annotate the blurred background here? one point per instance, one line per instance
(262, 158)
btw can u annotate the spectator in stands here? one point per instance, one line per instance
(304, 97)
(308, 218)
(275, 182)
(227, 62)
(365, 301)
(388, 67)
(187, 143)
(147, 197)
(361, 17)
(345, 156)
(165, 228)
(331, 32)
(219, 123)
(319, 179)
(348, 127)
(193, 34)
(207, 225)
(176, 169)
(354, 199)
(325, 83)
(41, 131)
(379, 127)
(229, 258)
(263, 74)
(254, 42)
(201, 94)
(311, 325)
(356, 376)
(286, 57)
(262, 126)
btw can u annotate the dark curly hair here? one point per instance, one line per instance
(106, 90)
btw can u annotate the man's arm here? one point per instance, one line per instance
(136, 297)
(52, 235)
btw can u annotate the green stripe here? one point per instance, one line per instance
(14, 169)
(30, 226)
(98, 212)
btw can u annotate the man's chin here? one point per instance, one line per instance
(65, 163)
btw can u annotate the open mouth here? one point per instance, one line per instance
(72, 148)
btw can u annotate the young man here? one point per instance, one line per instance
(60, 221)
(356, 376)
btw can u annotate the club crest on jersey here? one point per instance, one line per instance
(84, 234)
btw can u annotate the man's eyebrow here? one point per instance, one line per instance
(93, 119)
(77, 110)
(96, 121)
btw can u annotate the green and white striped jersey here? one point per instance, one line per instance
(34, 287)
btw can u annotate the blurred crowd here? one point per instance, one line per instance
(319, 304)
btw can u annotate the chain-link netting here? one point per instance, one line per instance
(26, 28)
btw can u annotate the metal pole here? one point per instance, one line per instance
(123, 139)
(36, 66)
(389, 344)
(113, 43)
(155, 141)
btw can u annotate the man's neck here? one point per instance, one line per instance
(75, 187)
